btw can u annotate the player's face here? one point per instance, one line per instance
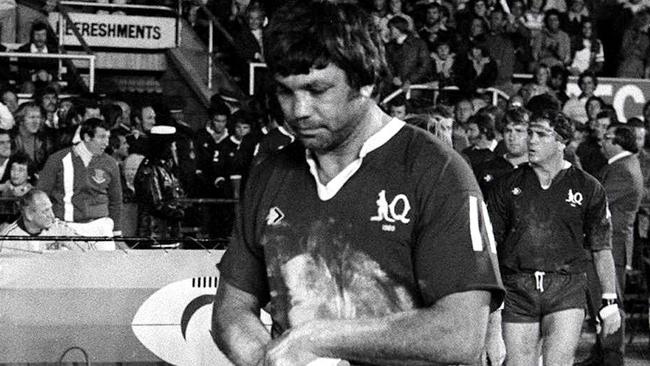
(321, 108)
(18, 174)
(33, 120)
(543, 144)
(473, 133)
(516, 139)
(98, 143)
(40, 213)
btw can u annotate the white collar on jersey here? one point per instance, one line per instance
(618, 156)
(329, 190)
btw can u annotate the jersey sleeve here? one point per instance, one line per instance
(243, 264)
(597, 223)
(455, 249)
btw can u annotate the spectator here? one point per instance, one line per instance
(28, 137)
(541, 78)
(5, 154)
(144, 118)
(443, 63)
(634, 57)
(249, 46)
(500, 43)
(48, 99)
(558, 83)
(37, 219)
(572, 21)
(534, 17)
(130, 167)
(380, 16)
(623, 183)
(209, 158)
(10, 99)
(593, 106)
(476, 35)
(465, 20)
(434, 27)
(588, 54)
(37, 72)
(407, 56)
(21, 176)
(553, 47)
(83, 181)
(158, 190)
(7, 21)
(397, 107)
(118, 146)
(7, 121)
(475, 70)
(112, 114)
(125, 121)
(463, 111)
(590, 152)
(574, 108)
(643, 216)
(395, 10)
(523, 52)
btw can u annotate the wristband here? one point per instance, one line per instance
(607, 311)
(609, 296)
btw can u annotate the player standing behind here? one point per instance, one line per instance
(544, 215)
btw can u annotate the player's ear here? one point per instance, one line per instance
(366, 91)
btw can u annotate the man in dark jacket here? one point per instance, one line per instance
(407, 55)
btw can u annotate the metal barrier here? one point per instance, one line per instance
(494, 92)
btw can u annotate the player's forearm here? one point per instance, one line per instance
(240, 336)
(450, 333)
(604, 266)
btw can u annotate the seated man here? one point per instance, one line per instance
(37, 219)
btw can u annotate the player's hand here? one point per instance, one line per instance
(288, 350)
(610, 320)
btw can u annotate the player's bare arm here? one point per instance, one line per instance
(452, 331)
(236, 326)
(604, 266)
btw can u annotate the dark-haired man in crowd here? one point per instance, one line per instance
(144, 118)
(482, 137)
(337, 231)
(36, 73)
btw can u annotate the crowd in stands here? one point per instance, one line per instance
(472, 45)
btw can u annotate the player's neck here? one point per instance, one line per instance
(517, 160)
(546, 171)
(331, 163)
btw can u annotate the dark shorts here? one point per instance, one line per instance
(525, 301)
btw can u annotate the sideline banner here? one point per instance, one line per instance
(119, 306)
(119, 31)
(626, 95)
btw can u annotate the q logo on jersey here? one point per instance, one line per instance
(574, 199)
(395, 211)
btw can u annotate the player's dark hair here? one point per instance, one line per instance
(517, 116)
(559, 122)
(485, 125)
(624, 137)
(306, 34)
